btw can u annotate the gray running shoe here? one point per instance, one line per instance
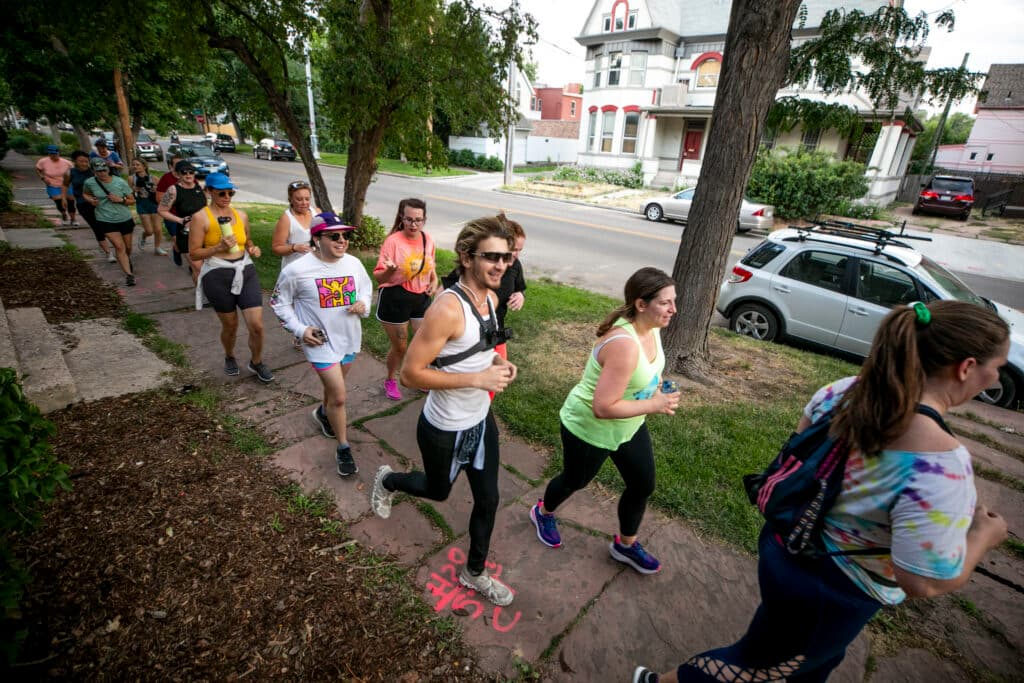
(230, 366)
(493, 590)
(380, 497)
(263, 373)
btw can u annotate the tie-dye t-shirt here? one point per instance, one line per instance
(920, 504)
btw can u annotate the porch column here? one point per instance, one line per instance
(648, 160)
(883, 182)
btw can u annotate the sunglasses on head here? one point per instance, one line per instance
(334, 235)
(495, 256)
(225, 193)
(298, 185)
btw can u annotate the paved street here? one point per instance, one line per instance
(585, 245)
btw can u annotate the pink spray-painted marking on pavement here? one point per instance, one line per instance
(444, 584)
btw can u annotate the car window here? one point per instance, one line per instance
(143, 137)
(949, 282)
(762, 254)
(818, 268)
(952, 185)
(884, 285)
(685, 194)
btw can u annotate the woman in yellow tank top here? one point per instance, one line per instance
(220, 238)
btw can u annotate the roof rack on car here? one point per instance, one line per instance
(880, 238)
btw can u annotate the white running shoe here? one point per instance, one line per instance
(160, 251)
(380, 497)
(111, 257)
(493, 590)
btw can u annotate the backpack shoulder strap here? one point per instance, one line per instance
(928, 411)
(483, 344)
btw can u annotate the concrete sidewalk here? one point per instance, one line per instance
(577, 615)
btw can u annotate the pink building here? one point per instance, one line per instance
(560, 104)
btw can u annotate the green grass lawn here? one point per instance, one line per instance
(395, 166)
(243, 148)
(702, 451)
(536, 168)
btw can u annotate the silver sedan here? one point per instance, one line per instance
(677, 207)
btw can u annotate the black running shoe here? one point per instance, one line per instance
(321, 419)
(230, 366)
(129, 280)
(263, 373)
(345, 461)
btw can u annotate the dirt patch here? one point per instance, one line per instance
(23, 217)
(176, 556)
(58, 282)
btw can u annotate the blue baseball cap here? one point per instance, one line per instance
(52, 149)
(218, 181)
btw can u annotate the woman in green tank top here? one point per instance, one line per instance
(604, 415)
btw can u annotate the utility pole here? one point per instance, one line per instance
(313, 142)
(942, 121)
(510, 132)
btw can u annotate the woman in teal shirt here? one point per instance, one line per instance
(113, 199)
(604, 415)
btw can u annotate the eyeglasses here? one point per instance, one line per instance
(334, 236)
(298, 185)
(187, 172)
(495, 256)
(414, 221)
(225, 193)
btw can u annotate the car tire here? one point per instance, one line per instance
(654, 213)
(1006, 395)
(965, 215)
(756, 321)
(915, 211)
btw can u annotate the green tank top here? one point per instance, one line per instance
(577, 413)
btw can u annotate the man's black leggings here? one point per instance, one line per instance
(581, 462)
(437, 447)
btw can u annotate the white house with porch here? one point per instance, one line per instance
(652, 70)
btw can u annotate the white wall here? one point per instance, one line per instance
(996, 132)
(526, 149)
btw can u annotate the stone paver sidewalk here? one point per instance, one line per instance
(577, 615)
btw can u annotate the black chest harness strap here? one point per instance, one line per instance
(488, 339)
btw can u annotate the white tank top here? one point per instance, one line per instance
(296, 235)
(457, 409)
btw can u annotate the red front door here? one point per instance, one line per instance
(691, 144)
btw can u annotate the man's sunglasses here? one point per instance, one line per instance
(495, 256)
(188, 173)
(334, 235)
(225, 193)
(298, 185)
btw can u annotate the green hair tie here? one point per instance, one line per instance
(924, 316)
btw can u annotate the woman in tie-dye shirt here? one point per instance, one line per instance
(908, 491)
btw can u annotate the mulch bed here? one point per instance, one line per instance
(176, 557)
(57, 281)
(19, 217)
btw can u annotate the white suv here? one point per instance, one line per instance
(832, 284)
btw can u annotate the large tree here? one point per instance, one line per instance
(877, 53)
(388, 66)
(267, 36)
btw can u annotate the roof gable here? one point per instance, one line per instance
(1004, 87)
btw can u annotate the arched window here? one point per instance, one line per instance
(707, 73)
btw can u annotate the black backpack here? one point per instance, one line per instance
(802, 484)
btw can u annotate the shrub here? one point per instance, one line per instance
(802, 184)
(6, 192)
(863, 212)
(29, 476)
(370, 235)
(68, 139)
(493, 163)
(633, 178)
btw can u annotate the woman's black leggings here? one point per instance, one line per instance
(582, 461)
(437, 447)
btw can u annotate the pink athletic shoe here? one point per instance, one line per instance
(391, 390)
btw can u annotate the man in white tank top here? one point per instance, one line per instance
(452, 355)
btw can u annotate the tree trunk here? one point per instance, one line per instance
(278, 100)
(238, 127)
(84, 141)
(123, 119)
(136, 125)
(362, 164)
(754, 66)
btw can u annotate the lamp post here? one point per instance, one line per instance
(312, 114)
(511, 130)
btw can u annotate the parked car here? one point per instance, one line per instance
(677, 207)
(148, 148)
(832, 284)
(947, 195)
(204, 158)
(221, 142)
(274, 148)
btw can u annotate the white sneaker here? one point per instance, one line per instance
(160, 251)
(380, 497)
(111, 257)
(74, 223)
(493, 590)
